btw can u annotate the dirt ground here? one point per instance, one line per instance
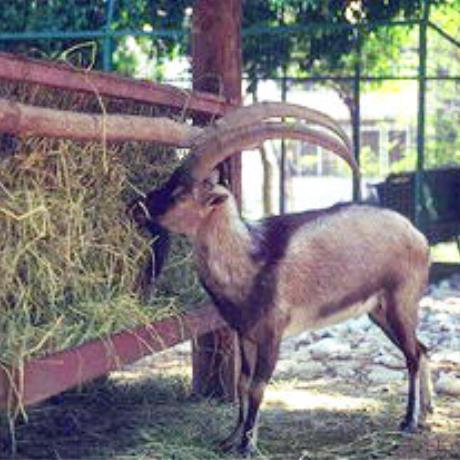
(336, 394)
(147, 412)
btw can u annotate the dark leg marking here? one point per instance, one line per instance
(248, 354)
(267, 355)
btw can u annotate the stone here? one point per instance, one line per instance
(330, 348)
(302, 356)
(309, 370)
(362, 324)
(441, 291)
(448, 384)
(455, 281)
(450, 356)
(290, 368)
(442, 318)
(382, 375)
(285, 366)
(444, 285)
(391, 361)
(288, 348)
(346, 370)
(303, 339)
(183, 348)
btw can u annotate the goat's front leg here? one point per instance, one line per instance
(267, 355)
(248, 354)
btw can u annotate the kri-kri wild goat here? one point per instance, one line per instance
(295, 272)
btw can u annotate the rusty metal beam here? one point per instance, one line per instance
(28, 120)
(18, 68)
(42, 378)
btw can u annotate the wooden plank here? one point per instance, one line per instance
(216, 57)
(44, 377)
(27, 120)
(18, 68)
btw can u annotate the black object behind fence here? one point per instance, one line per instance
(440, 201)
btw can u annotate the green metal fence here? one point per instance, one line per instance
(359, 77)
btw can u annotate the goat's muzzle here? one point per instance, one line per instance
(139, 213)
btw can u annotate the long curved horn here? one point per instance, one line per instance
(261, 111)
(221, 144)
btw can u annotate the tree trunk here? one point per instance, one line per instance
(216, 57)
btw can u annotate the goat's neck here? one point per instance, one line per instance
(223, 248)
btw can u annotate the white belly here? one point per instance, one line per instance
(303, 318)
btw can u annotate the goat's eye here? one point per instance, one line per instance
(208, 185)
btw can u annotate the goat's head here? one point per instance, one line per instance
(192, 192)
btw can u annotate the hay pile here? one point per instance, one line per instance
(69, 256)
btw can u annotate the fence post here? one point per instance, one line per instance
(423, 26)
(216, 67)
(107, 44)
(283, 162)
(356, 114)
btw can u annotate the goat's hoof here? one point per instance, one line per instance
(228, 445)
(234, 448)
(423, 425)
(246, 450)
(409, 427)
(429, 408)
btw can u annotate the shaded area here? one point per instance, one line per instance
(70, 257)
(137, 415)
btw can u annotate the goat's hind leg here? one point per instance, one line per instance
(399, 326)
(426, 384)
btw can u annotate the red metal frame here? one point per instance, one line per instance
(44, 377)
(63, 76)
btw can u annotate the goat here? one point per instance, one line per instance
(294, 272)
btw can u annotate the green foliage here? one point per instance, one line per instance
(407, 163)
(150, 16)
(78, 15)
(369, 163)
(321, 50)
(48, 16)
(443, 102)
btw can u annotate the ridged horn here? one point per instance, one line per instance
(219, 144)
(262, 111)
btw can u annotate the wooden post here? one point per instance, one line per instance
(216, 57)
